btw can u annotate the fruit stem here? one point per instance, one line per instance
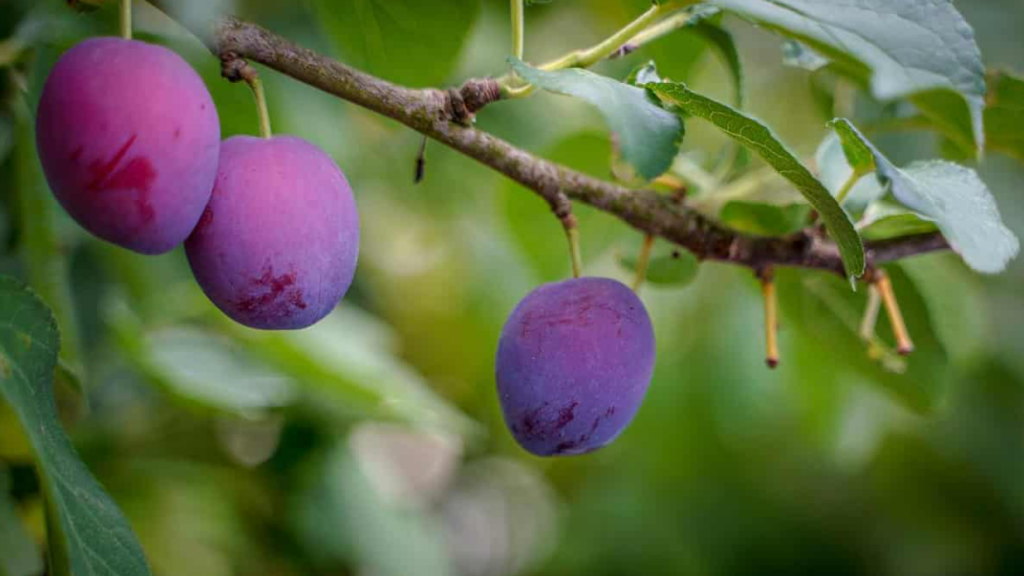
(126, 19)
(518, 28)
(608, 47)
(771, 318)
(256, 84)
(573, 234)
(904, 345)
(867, 325)
(643, 261)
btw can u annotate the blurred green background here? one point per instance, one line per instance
(373, 444)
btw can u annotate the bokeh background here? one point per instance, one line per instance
(373, 444)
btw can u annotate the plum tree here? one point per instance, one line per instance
(277, 245)
(574, 361)
(128, 137)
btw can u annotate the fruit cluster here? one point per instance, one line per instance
(271, 231)
(269, 224)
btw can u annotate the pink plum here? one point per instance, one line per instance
(277, 246)
(128, 137)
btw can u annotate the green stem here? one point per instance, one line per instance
(573, 235)
(589, 56)
(126, 19)
(848, 185)
(643, 261)
(256, 84)
(518, 28)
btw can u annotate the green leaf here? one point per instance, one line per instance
(1004, 115)
(834, 170)
(94, 536)
(763, 140)
(764, 219)
(406, 41)
(648, 135)
(884, 220)
(671, 267)
(903, 48)
(952, 196)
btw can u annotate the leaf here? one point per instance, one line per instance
(406, 41)
(648, 136)
(349, 357)
(762, 140)
(672, 267)
(834, 170)
(883, 220)
(1004, 115)
(903, 48)
(94, 536)
(764, 219)
(210, 371)
(952, 196)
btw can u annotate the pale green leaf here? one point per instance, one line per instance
(762, 140)
(952, 196)
(94, 537)
(648, 136)
(903, 48)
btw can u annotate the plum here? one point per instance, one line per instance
(128, 137)
(277, 246)
(574, 361)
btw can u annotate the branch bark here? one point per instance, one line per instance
(445, 116)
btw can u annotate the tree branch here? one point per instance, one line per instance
(445, 115)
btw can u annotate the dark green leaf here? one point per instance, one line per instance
(648, 136)
(762, 140)
(407, 41)
(952, 196)
(94, 536)
(902, 47)
(765, 219)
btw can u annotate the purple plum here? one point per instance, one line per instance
(277, 246)
(128, 137)
(574, 362)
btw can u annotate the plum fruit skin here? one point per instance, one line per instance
(277, 246)
(574, 362)
(128, 137)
